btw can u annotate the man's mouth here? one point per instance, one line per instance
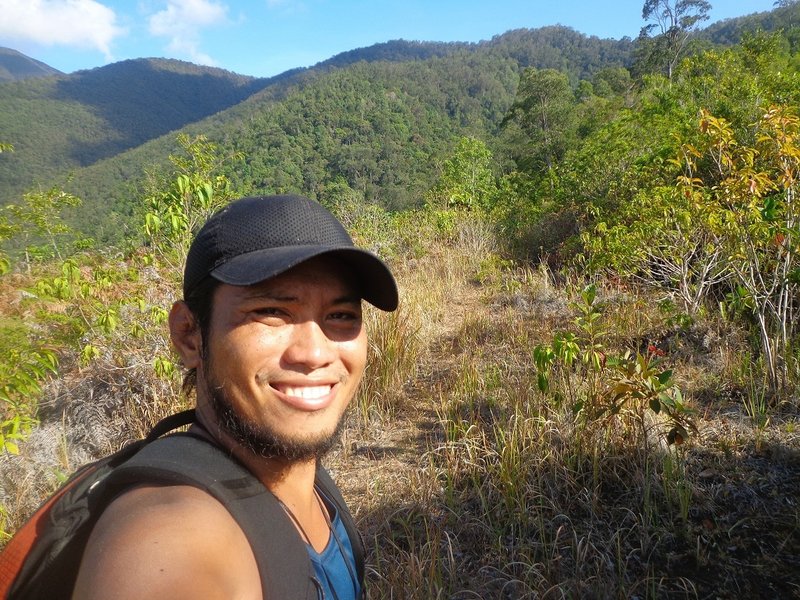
(309, 392)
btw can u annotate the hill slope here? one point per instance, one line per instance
(15, 66)
(65, 122)
(730, 31)
(379, 123)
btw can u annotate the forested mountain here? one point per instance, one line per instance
(563, 49)
(394, 50)
(64, 122)
(376, 127)
(15, 65)
(379, 119)
(730, 31)
(61, 124)
(553, 47)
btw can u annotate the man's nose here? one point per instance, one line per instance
(310, 346)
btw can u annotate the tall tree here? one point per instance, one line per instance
(544, 112)
(674, 20)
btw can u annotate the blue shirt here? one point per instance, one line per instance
(335, 566)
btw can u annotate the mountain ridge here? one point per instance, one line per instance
(16, 66)
(88, 98)
(106, 125)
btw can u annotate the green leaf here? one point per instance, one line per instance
(542, 382)
(770, 209)
(589, 293)
(655, 405)
(677, 398)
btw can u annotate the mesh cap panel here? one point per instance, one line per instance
(257, 238)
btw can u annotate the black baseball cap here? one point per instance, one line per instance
(256, 238)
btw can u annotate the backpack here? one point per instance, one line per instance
(43, 557)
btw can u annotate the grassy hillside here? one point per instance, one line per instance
(467, 479)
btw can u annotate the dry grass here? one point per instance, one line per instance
(482, 487)
(470, 483)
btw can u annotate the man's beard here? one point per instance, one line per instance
(262, 440)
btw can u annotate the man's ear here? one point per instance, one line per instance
(184, 332)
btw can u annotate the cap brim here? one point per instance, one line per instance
(378, 286)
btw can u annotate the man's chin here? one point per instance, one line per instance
(265, 442)
(285, 448)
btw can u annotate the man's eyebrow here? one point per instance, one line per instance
(255, 294)
(348, 299)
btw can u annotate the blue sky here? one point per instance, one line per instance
(266, 37)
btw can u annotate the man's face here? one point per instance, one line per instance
(283, 359)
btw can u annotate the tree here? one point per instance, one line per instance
(39, 217)
(662, 240)
(751, 188)
(175, 210)
(544, 112)
(7, 230)
(467, 180)
(675, 20)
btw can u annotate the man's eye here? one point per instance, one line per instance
(268, 311)
(345, 316)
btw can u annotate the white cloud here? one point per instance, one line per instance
(182, 22)
(76, 23)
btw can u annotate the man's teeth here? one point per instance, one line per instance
(316, 391)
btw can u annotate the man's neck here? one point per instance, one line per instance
(292, 483)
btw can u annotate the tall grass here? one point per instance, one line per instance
(516, 495)
(394, 348)
(469, 479)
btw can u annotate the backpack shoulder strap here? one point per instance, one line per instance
(171, 423)
(281, 555)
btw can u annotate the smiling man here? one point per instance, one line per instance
(271, 331)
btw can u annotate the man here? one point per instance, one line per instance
(271, 330)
